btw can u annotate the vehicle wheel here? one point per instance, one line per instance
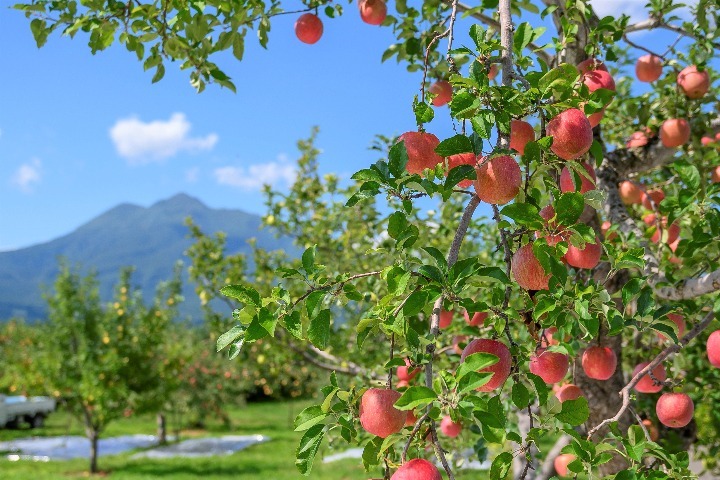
(37, 421)
(12, 424)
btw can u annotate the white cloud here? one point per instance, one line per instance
(635, 9)
(28, 175)
(192, 174)
(255, 176)
(141, 142)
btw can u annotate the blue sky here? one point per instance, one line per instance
(80, 134)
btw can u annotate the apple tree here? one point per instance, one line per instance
(596, 274)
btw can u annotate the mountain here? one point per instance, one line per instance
(152, 239)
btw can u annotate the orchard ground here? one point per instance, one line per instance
(271, 460)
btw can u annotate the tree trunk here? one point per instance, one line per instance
(94, 437)
(161, 428)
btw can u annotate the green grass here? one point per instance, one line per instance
(274, 460)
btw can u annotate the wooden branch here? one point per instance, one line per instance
(691, 287)
(672, 349)
(653, 23)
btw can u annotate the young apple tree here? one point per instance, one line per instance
(601, 253)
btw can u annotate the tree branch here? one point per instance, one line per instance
(548, 467)
(653, 23)
(672, 349)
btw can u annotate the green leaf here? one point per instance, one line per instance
(454, 145)
(309, 417)
(236, 332)
(501, 466)
(523, 214)
(438, 256)
(473, 363)
(688, 173)
(246, 295)
(561, 78)
(473, 381)
(398, 158)
(414, 397)
(308, 258)
(423, 113)
(520, 395)
(319, 329)
(569, 207)
(293, 324)
(493, 272)
(306, 451)
(262, 325)
(574, 412)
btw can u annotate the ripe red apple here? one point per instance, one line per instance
(591, 64)
(442, 91)
(462, 159)
(597, 79)
(679, 321)
(596, 118)
(498, 180)
(555, 233)
(420, 148)
(450, 428)
(404, 373)
(308, 28)
(500, 370)
(569, 392)
(648, 68)
(493, 71)
(673, 232)
(604, 228)
(457, 342)
(646, 383)
(674, 410)
(572, 134)
(599, 362)
(561, 464)
(713, 348)
(373, 12)
(637, 140)
(715, 176)
(521, 132)
(705, 141)
(477, 319)
(550, 366)
(694, 83)
(675, 132)
(445, 319)
(527, 270)
(567, 180)
(548, 337)
(630, 192)
(411, 419)
(651, 429)
(652, 198)
(378, 416)
(587, 257)
(417, 469)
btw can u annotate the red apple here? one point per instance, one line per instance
(527, 270)
(648, 68)
(651, 429)
(646, 383)
(555, 233)
(500, 370)
(378, 416)
(637, 140)
(572, 134)
(630, 193)
(550, 366)
(498, 180)
(548, 337)
(567, 180)
(445, 318)
(561, 464)
(705, 141)
(308, 28)
(477, 319)
(493, 71)
(694, 83)
(587, 257)
(521, 133)
(652, 198)
(596, 118)
(417, 469)
(457, 341)
(674, 410)
(679, 321)
(462, 159)
(675, 132)
(404, 373)
(604, 228)
(591, 64)
(569, 392)
(713, 348)
(450, 428)
(599, 362)
(715, 176)
(597, 79)
(442, 91)
(373, 12)
(411, 419)
(420, 148)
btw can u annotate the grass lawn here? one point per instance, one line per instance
(273, 460)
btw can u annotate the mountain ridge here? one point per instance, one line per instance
(150, 238)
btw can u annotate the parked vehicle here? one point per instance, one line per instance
(33, 410)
